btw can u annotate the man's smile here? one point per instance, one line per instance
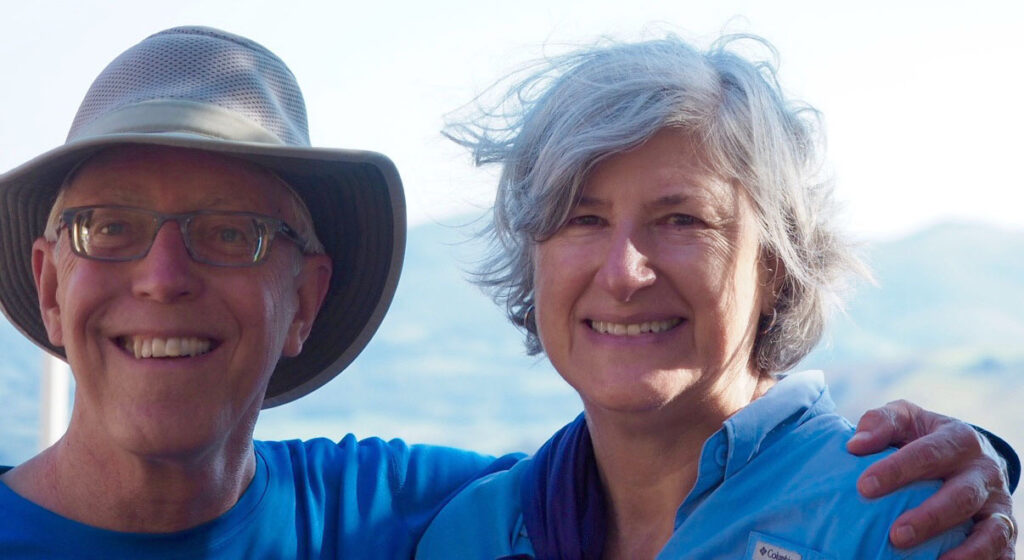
(164, 347)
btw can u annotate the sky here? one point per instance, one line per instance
(921, 100)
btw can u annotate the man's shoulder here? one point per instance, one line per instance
(389, 468)
(349, 450)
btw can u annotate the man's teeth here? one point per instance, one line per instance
(634, 329)
(166, 347)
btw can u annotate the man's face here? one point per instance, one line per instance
(232, 323)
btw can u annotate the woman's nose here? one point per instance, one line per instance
(626, 268)
(167, 272)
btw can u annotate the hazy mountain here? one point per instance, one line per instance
(944, 327)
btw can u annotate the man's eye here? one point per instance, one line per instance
(110, 229)
(231, 236)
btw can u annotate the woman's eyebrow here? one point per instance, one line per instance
(668, 201)
(591, 202)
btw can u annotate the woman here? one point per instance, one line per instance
(664, 237)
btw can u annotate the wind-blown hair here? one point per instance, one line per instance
(551, 128)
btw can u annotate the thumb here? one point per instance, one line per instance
(876, 430)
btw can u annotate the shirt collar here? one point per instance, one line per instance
(782, 408)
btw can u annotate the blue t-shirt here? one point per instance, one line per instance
(313, 499)
(775, 482)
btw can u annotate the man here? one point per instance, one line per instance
(195, 260)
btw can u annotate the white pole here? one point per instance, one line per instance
(53, 408)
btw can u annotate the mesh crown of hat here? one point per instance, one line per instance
(207, 66)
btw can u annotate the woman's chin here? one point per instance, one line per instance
(637, 394)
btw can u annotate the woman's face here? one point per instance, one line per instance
(650, 293)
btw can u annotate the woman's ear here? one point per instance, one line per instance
(44, 270)
(771, 274)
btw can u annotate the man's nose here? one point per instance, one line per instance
(167, 272)
(626, 268)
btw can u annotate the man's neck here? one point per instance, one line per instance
(120, 491)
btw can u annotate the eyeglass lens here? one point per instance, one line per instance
(117, 234)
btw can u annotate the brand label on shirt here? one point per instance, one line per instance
(767, 551)
(761, 546)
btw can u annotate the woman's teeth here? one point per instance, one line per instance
(634, 329)
(165, 347)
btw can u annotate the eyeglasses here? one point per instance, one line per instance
(220, 238)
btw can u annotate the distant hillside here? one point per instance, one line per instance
(947, 289)
(945, 327)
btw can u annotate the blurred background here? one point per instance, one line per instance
(921, 105)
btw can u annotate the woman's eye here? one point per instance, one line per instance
(587, 220)
(681, 220)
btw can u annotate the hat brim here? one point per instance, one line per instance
(358, 210)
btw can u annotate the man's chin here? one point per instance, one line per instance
(177, 436)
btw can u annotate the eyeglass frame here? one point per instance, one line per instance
(267, 226)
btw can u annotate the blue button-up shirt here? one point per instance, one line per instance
(774, 483)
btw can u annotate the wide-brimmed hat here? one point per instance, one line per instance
(201, 88)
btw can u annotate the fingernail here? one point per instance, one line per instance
(904, 534)
(859, 436)
(870, 486)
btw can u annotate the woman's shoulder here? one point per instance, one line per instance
(814, 455)
(810, 468)
(484, 520)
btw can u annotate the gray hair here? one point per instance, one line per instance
(553, 126)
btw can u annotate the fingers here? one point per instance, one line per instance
(952, 448)
(979, 491)
(891, 425)
(990, 540)
(927, 458)
(938, 447)
(955, 502)
(875, 431)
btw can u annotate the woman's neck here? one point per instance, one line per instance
(649, 463)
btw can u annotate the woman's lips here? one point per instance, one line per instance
(633, 329)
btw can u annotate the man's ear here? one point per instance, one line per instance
(44, 270)
(312, 282)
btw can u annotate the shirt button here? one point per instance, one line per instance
(720, 455)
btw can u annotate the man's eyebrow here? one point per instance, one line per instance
(125, 194)
(212, 200)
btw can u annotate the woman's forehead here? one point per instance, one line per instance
(670, 165)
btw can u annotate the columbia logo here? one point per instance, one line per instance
(765, 551)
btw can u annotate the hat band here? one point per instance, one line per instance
(176, 116)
